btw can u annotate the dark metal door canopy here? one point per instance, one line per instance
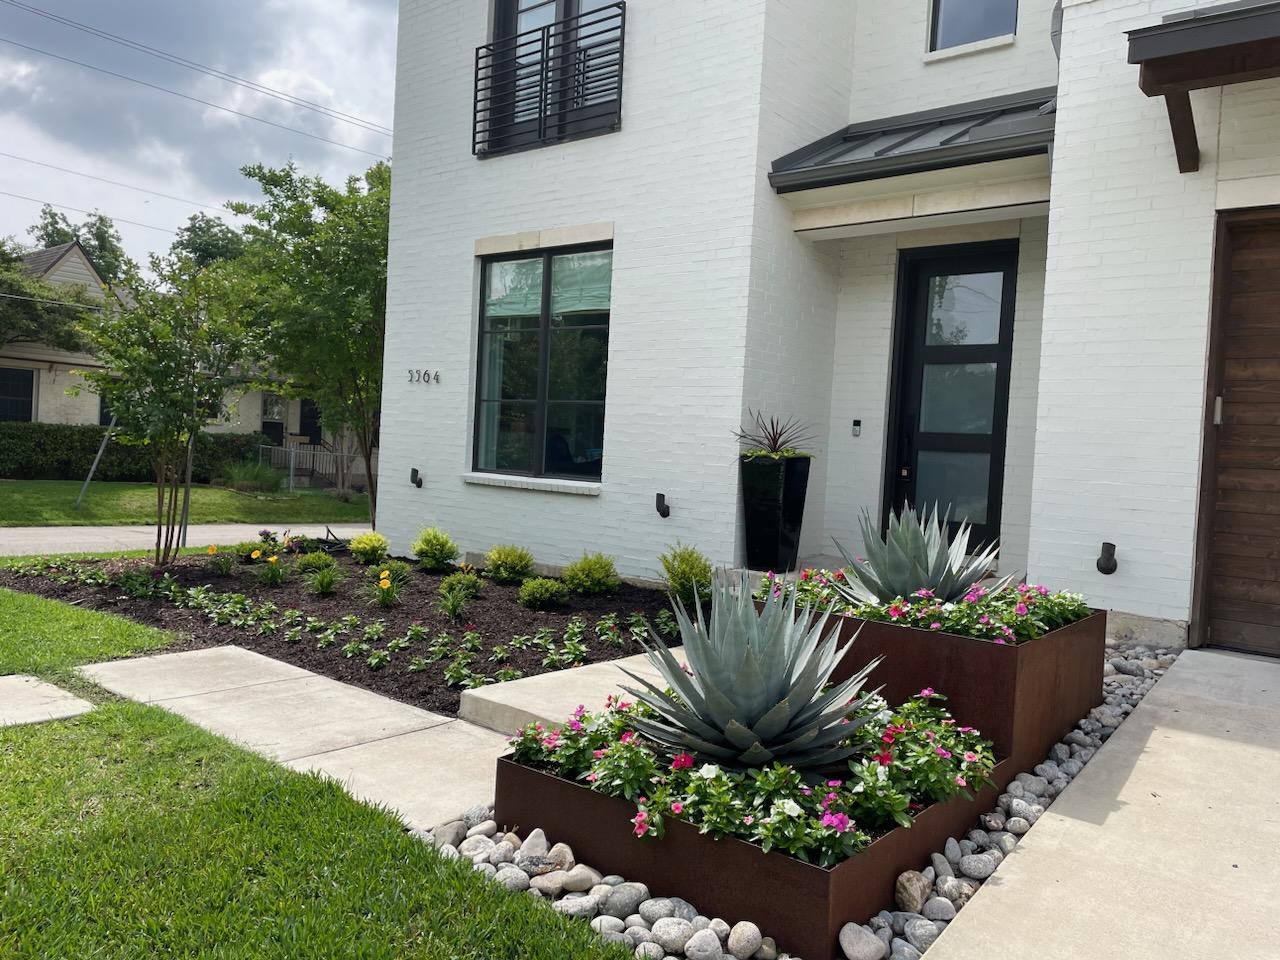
(1206, 47)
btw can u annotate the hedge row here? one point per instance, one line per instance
(60, 451)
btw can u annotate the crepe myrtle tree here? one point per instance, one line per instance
(170, 351)
(316, 256)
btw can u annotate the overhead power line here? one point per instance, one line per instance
(197, 67)
(59, 303)
(114, 183)
(184, 96)
(63, 206)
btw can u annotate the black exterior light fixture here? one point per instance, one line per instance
(660, 504)
(1107, 559)
(415, 478)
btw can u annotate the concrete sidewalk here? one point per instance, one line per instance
(1167, 845)
(425, 766)
(16, 541)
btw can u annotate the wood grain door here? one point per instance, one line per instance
(1239, 576)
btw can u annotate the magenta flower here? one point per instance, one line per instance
(943, 752)
(1020, 609)
(961, 781)
(835, 783)
(677, 808)
(839, 822)
(927, 692)
(935, 625)
(970, 756)
(627, 736)
(748, 819)
(682, 761)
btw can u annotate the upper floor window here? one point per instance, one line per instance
(544, 346)
(552, 72)
(957, 22)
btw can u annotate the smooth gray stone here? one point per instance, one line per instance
(512, 878)
(921, 934)
(535, 844)
(859, 943)
(952, 851)
(451, 834)
(579, 907)
(977, 866)
(477, 814)
(744, 939)
(683, 909)
(656, 908)
(703, 945)
(673, 933)
(607, 925)
(625, 899)
(911, 890)
(902, 950)
(649, 951)
(487, 828)
(939, 908)
(941, 866)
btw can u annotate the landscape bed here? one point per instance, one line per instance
(731, 877)
(494, 617)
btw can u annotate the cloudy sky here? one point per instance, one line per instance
(339, 53)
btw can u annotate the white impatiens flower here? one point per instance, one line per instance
(709, 771)
(790, 808)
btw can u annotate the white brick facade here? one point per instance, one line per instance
(719, 305)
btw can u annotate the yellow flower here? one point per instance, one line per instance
(272, 559)
(255, 555)
(384, 583)
(212, 549)
(384, 575)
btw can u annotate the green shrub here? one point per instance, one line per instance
(64, 451)
(592, 573)
(397, 571)
(508, 563)
(687, 572)
(272, 571)
(468, 583)
(253, 477)
(435, 550)
(368, 548)
(323, 581)
(317, 560)
(246, 550)
(542, 592)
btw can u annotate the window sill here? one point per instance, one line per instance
(581, 488)
(964, 49)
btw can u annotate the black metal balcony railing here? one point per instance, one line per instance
(554, 83)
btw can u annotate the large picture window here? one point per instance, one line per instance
(17, 394)
(544, 346)
(957, 22)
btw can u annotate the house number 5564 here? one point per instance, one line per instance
(424, 376)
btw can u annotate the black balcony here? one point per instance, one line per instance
(558, 82)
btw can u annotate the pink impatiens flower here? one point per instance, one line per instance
(677, 808)
(927, 692)
(641, 821)
(1020, 609)
(839, 822)
(682, 761)
(748, 819)
(970, 756)
(598, 753)
(961, 781)
(943, 752)
(627, 736)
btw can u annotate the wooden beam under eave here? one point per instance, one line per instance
(1183, 123)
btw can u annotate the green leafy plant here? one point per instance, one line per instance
(773, 438)
(272, 572)
(607, 630)
(467, 582)
(326, 639)
(368, 548)
(453, 602)
(507, 673)
(542, 593)
(416, 633)
(398, 644)
(521, 642)
(758, 689)
(915, 555)
(592, 573)
(374, 632)
(323, 581)
(507, 563)
(316, 560)
(472, 642)
(397, 571)
(378, 659)
(545, 638)
(293, 635)
(688, 574)
(638, 627)
(666, 625)
(355, 648)
(441, 646)
(219, 564)
(252, 477)
(575, 631)
(435, 550)
(418, 665)
(500, 653)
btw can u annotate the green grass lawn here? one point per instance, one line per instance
(51, 503)
(128, 832)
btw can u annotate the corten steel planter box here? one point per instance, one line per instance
(1024, 697)
(800, 905)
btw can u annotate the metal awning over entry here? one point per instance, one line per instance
(1206, 47)
(1001, 128)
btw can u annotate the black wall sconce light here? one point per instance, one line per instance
(660, 504)
(1107, 559)
(415, 478)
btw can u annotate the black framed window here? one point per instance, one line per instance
(544, 346)
(957, 22)
(104, 412)
(17, 394)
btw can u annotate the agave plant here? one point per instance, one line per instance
(756, 691)
(915, 555)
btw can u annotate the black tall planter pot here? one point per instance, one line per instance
(773, 493)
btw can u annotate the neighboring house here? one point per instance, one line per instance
(34, 379)
(987, 276)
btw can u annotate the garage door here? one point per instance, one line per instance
(1243, 556)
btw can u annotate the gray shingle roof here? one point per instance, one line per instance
(1016, 125)
(40, 262)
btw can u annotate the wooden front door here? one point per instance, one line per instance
(1239, 570)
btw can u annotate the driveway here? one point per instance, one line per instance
(16, 541)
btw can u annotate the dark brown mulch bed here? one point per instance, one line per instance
(495, 615)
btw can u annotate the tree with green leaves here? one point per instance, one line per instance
(207, 239)
(170, 354)
(317, 255)
(97, 235)
(33, 311)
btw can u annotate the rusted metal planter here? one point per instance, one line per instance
(800, 905)
(1024, 697)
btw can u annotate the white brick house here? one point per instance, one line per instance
(912, 216)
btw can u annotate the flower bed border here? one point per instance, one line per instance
(1023, 697)
(802, 905)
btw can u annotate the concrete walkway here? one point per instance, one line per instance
(425, 766)
(16, 541)
(1167, 845)
(29, 700)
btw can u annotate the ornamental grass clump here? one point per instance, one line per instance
(915, 555)
(323, 581)
(757, 687)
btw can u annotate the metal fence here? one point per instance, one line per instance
(313, 465)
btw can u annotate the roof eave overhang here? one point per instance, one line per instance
(860, 171)
(1237, 45)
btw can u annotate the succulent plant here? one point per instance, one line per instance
(915, 555)
(756, 691)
